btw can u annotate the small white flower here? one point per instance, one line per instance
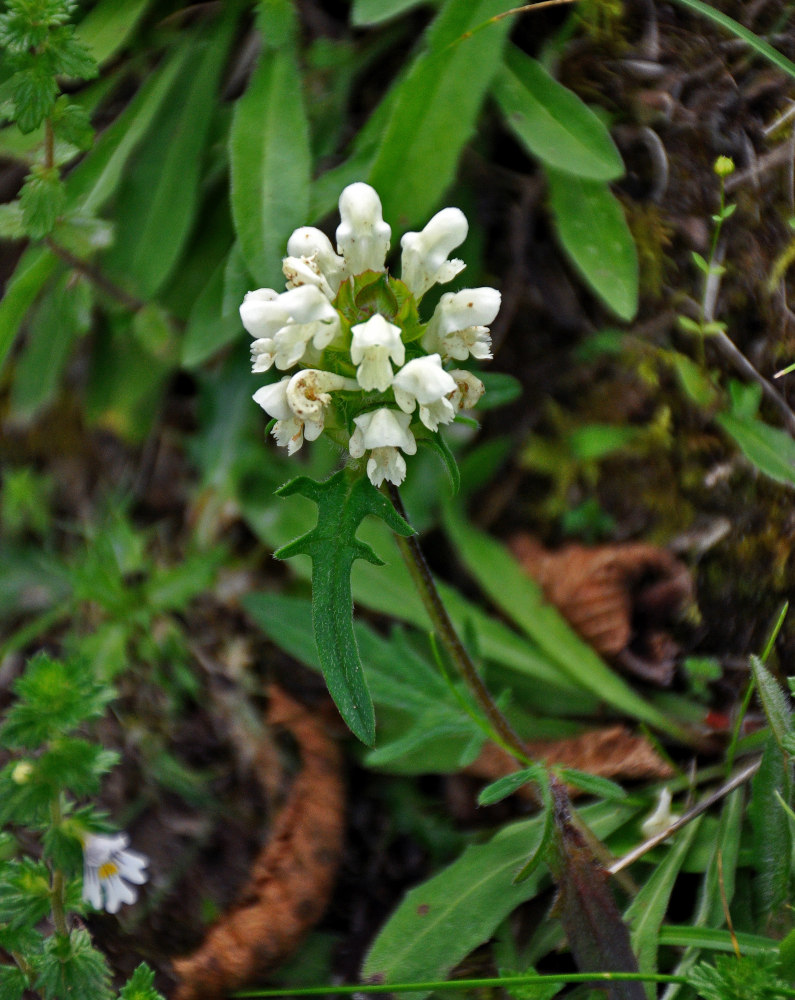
(459, 325)
(468, 389)
(373, 344)
(311, 260)
(424, 261)
(661, 818)
(424, 381)
(284, 324)
(288, 429)
(107, 868)
(362, 235)
(382, 432)
(308, 395)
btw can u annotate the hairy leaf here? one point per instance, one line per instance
(343, 502)
(772, 841)
(270, 163)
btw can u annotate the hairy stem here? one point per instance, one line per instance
(58, 885)
(414, 558)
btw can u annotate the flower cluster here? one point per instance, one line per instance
(371, 374)
(107, 868)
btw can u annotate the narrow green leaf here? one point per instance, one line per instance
(435, 110)
(678, 936)
(159, 197)
(591, 784)
(590, 224)
(342, 502)
(366, 13)
(772, 840)
(209, 328)
(758, 44)
(522, 599)
(771, 450)
(441, 921)
(552, 122)
(722, 869)
(95, 179)
(24, 286)
(774, 702)
(647, 910)
(270, 163)
(62, 314)
(105, 29)
(508, 784)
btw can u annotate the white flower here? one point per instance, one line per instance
(284, 324)
(288, 429)
(424, 261)
(459, 327)
(311, 260)
(107, 868)
(373, 344)
(382, 432)
(298, 403)
(468, 389)
(661, 818)
(362, 235)
(424, 381)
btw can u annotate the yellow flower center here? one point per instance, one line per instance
(108, 869)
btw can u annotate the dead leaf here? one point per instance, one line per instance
(614, 753)
(291, 879)
(620, 598)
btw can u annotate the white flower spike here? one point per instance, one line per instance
(373, 344)
(424, 381)
(459, 325)
(424, 261)
(108, 867)
(382, 432)
(362, 235)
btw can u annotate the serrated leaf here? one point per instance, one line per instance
(72, 967)
(140, 985)
(590, 224)
(13, 982)
(33, 91)
(552, 122)
(435, 110)
(342, 502)
(270, 163)
(42, 199)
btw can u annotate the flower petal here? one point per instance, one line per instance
(424, 260)
(362, 235)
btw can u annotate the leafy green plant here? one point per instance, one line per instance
(51, 771)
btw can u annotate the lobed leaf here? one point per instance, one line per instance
(343, 502)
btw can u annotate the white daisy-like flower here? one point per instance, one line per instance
(423, 381)
(373, 344)
(382, 432)
(468, 389)
(424, 261)
(285, 324)
(459, 325)
(362, 235)
(108, 867)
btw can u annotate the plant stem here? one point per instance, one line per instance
(414, 558)
(57, 889)
(96, 276)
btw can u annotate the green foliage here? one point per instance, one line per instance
(753, 977)
(343, 502)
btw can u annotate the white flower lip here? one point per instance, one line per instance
(458, 326)
(373, 344)
(424, 260)
(423, 381)
(362, 235)
(108, 867)
(382, 432)
(285, 324)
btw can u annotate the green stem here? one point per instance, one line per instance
(420, 573)
(474, 984)
(58, 886)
